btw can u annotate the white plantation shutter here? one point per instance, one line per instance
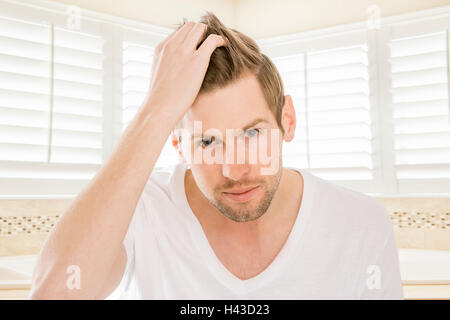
(24, 90)
(372, 105)
(136, 70)
(419, 81)
(51, 118)
(78, 95)
(339, 113)
(331, 97)
(136, 76)
(292, 72)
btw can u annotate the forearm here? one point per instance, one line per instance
(90, 232)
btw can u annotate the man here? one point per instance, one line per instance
(214, 226)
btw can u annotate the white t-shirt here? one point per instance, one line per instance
(342, 246)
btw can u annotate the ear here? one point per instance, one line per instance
(288, 118)
(176, 143)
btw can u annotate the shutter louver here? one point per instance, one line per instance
(419, 80)
(292, 72)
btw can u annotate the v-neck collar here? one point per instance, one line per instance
(216, 267)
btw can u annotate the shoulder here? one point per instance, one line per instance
(160, 194)
(350, 209)
(163, 180)
(161, 190)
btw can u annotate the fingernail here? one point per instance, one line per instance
(225, 41)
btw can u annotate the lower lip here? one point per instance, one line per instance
(242, 197)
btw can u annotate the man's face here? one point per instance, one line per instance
(238, 112)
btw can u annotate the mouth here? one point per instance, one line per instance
(242, 195)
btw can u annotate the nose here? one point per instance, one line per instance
(237, 168)
(235, 171)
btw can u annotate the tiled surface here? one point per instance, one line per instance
(33, 207)
(21, 244)
(26, 224)
(422, 223)
(418, 220)
(411, 220)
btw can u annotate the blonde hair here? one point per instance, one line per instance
(241, 56)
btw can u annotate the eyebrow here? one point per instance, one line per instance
(245, 128)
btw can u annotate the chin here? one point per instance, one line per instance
(240, 217)
(242, 212)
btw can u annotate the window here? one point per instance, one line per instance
(419, 86)
(333, 112)
(25, 90)
(372, 105)
(51, 103)
(330, 83)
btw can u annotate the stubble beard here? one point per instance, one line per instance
(248, 214)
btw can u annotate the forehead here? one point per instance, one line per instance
(231, 107)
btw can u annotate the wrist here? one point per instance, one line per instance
(165, 114)
(157, 114)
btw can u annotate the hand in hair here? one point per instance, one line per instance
(179, 68)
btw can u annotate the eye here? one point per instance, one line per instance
(205, 142)
(252, 132)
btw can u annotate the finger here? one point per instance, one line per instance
(160, 46)
(210, 44)
(194, 37)
(172, 35)
(179, 37)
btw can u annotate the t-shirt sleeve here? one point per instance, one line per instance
(383, 280)
(128, 243)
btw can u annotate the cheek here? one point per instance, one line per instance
(275, 142)
(207, 176)
(269, 145)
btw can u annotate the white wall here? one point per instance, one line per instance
(165, 13)
(257, 18)
(265, 18)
